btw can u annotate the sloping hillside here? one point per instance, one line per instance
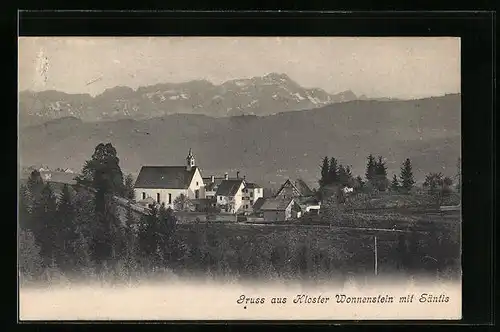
(267, 148)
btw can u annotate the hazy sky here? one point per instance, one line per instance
(402, 67)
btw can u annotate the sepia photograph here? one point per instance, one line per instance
(239, 178)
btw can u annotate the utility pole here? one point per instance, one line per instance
(376, 258)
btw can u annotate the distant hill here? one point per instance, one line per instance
(265, 95)
(268, 148)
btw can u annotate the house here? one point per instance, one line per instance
(229, 195)
(251, 193)
(280, 209)
(303, 195)
(211, 185)
(165, 183)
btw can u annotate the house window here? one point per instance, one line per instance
(197, 183)
(246, 206)
(143, 195)
(158, 197)
(251, 194)
(196, 194)
(169, 198)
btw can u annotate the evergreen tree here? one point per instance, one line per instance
(67, 234)
(406, 175)
(333, 171)
(23, 208)
(342, 176)
(359, 183)
(323, 181)
(370, 168)
(349, 177)
(147, 235)
(381, 181)
(44, 225)
(394, 183)
(129, 187)
(34, 187)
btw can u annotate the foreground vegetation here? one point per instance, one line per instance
(79, 233)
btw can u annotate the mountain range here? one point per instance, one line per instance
(270, 94)
(266, 148)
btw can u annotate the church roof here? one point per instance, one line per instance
(228, 187)
(165, 177)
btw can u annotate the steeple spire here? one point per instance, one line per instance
(190, 162)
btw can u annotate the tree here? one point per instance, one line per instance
(67, 232)
(380, 177)
(433, 182)
(182, 203)
(103, 171)
(447, 185)
(24, 208)
(395, 183)
(343, 177)
(333, 171)
(30, 262)
(34, 187)
(44, 223)
(359, 183)
(324, 172)
(406, 175)
(459, 175)
(370, 168)
(129, 187)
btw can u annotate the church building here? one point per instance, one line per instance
(163, 184)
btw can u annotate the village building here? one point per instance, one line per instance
(280, 209)
(300, 191)
(229, 195)
(164, 184)
(251, 193)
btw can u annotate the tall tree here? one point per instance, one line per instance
(34, 187)
(333, 171)
(370, 168)
(129, 187)
(67, 233)
(343, 178)
(24, 208)
(381, 174)
(103, 171)
(406, 175)
(45, 226)
(324, 172)
(395, 183)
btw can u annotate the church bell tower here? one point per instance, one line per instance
(190, 161)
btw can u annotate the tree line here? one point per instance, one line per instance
(376, 178)
(81, 230)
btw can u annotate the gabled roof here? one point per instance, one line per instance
(228, 187)
(299, 185)
(258, 203)
(165, 177)
(212, 186)
(276, 204)
(251, 185)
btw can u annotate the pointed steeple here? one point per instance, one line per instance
(190, 162)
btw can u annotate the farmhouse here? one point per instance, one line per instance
(280, 209)
(251, 193)
(302, 194)
(165, 183)
(229, 195)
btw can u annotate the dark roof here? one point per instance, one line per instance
(166, 177)
(212, 186)
(303, 187)
(251, 185)
(258, 203)
(275, 204)
(228, 187)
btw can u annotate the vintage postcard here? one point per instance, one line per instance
(239, 178)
